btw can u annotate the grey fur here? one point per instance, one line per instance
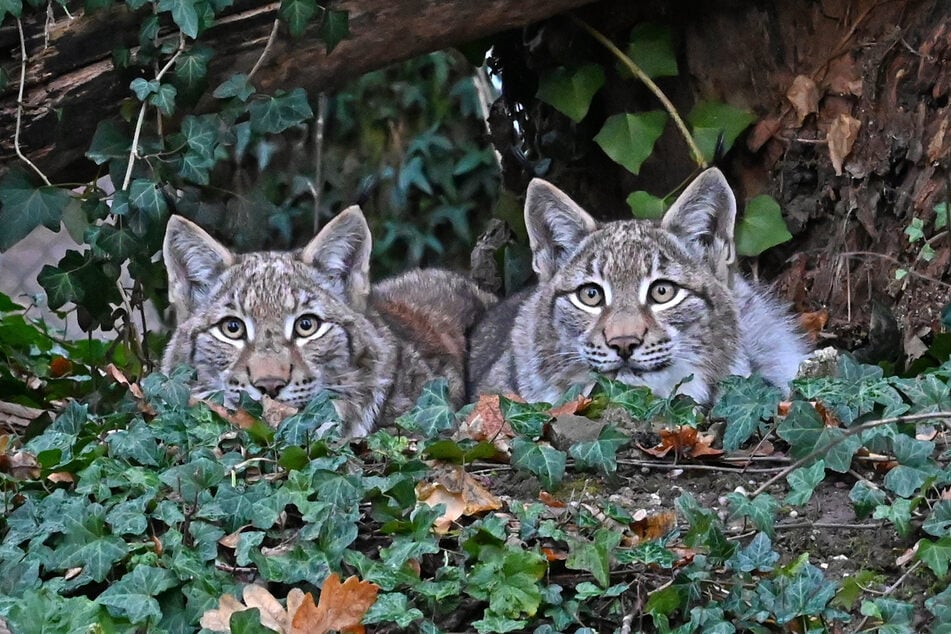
(374, 348)
(717, 323)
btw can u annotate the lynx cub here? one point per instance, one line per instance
(643, 303)
(294, 323)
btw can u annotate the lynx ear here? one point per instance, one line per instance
(341, 255)
(703, 216)
(194, 261)
(556, 225)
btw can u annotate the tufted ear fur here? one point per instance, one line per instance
(341, 255)
(556, 225)
(194, 261)
(703, 217)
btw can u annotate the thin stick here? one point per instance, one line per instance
(134, 151)
(890, 589)
(907, 267)
(16, 133)
(318, 187)
(647, 81)
(848, 432)
(267, 48)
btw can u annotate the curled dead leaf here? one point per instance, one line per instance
(763, 131)
(459, 491)
(813, 323)
(684, 441)
(804, 96)
(841, 138)
(649, 526)
(341, 607)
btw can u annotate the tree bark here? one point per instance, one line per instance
(71, 82)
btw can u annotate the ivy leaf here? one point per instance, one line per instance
(652, 50)
(629, 138)
(939, 521)
(838, 457)
(433, 412)
(87, 543)
(297, 13)
(143, 88)
(801, 429)
(803, 482)
(526, 419)
(570, 91)
(594, 556)
(540, 459)
(762, 226)
(133, 596)
(164, 99)
(936, 555)
(184, 15)
(192, 65)
(646, 206)
(712, 121)
(757, 556)
(13, 7)
(145, 196)
(334, 28)
(898, 513)
(865, 498)
(119, 244)
(761, 510)
(280, 112)
(24, 207)
(237, 85)
(108, 143)
(600, 454)
(745, 403)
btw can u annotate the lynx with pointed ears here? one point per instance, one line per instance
(643, 303)
(291, 324)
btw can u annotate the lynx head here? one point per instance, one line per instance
(285, 324)
(643, 303)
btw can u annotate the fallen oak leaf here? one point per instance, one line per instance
(341, 607)
(459, 491)
(219, 619)
(576, 405)
(273, 615)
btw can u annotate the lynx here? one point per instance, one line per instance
(636, 301)
(291, 324)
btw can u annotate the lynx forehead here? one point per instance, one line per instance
(647, 304)
(293, 324)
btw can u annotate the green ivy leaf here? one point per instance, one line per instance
(119, 244)
(762, 226)
(865, 498)
(24, 207)
(744, 404)
(712, 120)
(143, 88)
(184, 15)
(164, 99)
(652, 49)
(629, 138)
(280, 112)
(13, 7)
(898, 513)
(646, 206)
(757, 556)
(935, 554)
(761, 510)
(145, 196)
(539, 459)
(133, 596)
(109, 142)
(600, 454)
(192, 65)
(570, 91)
(297, 13)
(433, 412)
(334, 27)
(87, 544)
(526, 419)
(594, 556)
(839, 455)
(939, 521)
(393, 607)
(803, 482)
(247, 622)
(801, 429)
(237, 85)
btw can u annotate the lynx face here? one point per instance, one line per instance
(288, 325)
(653, 304)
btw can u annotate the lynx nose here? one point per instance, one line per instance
(624, 345)
(271, 386)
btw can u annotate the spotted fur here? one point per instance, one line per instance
(640, 302)
(291, 324)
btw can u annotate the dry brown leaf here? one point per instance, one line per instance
(551, 501)
(341, 608)
(61, 476)
(23, 466)
(220, 619)
(813, 323)
(574, 406)
(275, 411)
(554, 555)
(60, 367)
(763, 131)
(684, 441)
(841, 138)
(462, 494)
(239, 418)
(653, 526)
(485, 422)
(273, 615)
(804, 96)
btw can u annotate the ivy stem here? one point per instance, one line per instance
(647, 81)
(271, 38)
(16, 133)
(851, 431)
(134, 150)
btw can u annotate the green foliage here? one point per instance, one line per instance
(761, 227)
(629, 138)
(570, 90)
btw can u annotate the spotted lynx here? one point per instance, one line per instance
(643, 303)
(291, 324)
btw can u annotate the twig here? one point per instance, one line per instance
(647, 81)
(890, 589)
(694, 467)
(16, 133)
(133, 151)
(907, 267)
(267, 48)
(318, 186)
(858, 429)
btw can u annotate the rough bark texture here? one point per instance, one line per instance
(883, 66)
(71, 83)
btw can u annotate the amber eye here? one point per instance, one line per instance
(232, 328)
(662, 291)
(590, 295)
(306, 325)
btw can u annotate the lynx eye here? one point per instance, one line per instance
(590, 295)
(232, 328)
(307, 325)
(662, 291)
